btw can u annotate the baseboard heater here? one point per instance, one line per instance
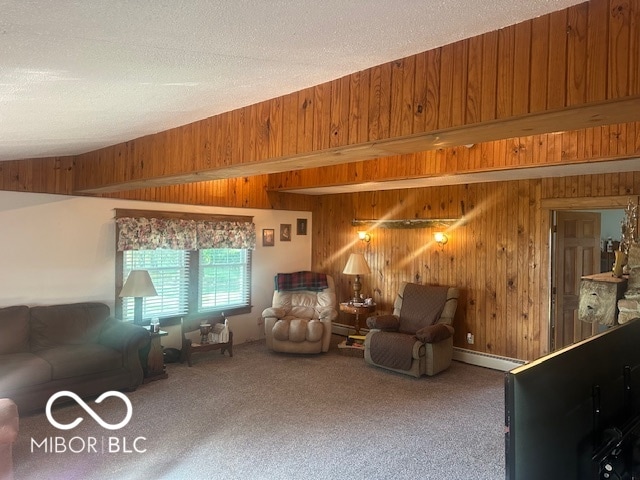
(486, 360)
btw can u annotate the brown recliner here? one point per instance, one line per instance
(418, 338)
(8, 435)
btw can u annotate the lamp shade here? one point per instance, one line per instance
(138, 284)
(356, 265)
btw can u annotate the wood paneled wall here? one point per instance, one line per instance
(499, 257)
(40, 175)
(585, 54)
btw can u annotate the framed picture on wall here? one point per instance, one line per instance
(301, 226)
(285, 232)
(268, 237)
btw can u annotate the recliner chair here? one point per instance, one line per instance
(301, 315)
(418, 338)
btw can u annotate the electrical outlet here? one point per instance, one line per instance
(470, 338)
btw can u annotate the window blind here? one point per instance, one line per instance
(169, 271)
(224, 278)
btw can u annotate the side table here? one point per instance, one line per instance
(155, 368)
(357, 310)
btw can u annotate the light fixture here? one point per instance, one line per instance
(441, 238)
(364, 236)
(138, 285)
(356, 265)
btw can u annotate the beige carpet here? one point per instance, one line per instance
(262, 415)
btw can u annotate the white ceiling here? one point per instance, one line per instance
(77, 75)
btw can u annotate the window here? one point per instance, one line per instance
(169, 271)
(223, 278)
(198, 263)
(191, 282)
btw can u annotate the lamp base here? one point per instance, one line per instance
(137, 310)
(357, 286)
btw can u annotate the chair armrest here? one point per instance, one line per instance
(276, 312)
(434, 333)
(386, 323)
(328, 314)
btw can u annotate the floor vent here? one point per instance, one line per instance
(485, 359)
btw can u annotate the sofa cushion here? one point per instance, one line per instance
(19, 370)
(14, 329)
(77, 360)
(71, 324)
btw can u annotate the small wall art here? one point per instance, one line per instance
(268, 237)
(285, 232)
(301, 226)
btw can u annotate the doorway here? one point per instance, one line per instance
(582, 244)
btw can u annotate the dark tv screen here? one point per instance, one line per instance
(566, 410)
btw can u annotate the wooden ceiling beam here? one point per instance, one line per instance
(570, 70)
(584, 117)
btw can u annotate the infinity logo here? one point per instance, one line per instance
(90, 411)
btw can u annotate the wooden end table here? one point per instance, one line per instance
(155, 367)
(357, 310)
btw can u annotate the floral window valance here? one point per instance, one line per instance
(180, 234)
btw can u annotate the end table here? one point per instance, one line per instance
(155, 368)
(357, 310)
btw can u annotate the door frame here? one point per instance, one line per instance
(551, 205)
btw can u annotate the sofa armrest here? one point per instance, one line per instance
(275, 312)
(123, 335)
(434, 333)
(128, 339)
(386, 323)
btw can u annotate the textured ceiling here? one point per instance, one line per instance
(80, 75)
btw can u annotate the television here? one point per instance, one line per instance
(574, 414)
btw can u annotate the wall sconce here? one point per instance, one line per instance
(441, 239)
(364, 236)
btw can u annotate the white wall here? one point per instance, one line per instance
(61, 249)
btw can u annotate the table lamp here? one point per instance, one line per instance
(356, 265)
(138, 285)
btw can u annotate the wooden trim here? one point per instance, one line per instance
(614, 201)
(123, 212)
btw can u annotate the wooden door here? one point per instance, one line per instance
(577, 253)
